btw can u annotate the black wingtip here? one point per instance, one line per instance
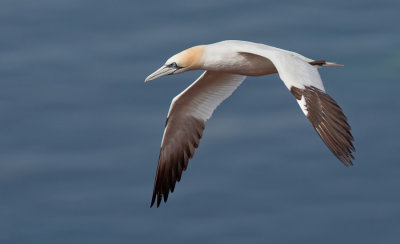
(346, 162)
(318, 62)
(153, 200)
(159, 198)
(328, 120)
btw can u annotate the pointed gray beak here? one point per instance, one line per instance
(164, 70)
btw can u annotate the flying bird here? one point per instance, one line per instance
(226, 65)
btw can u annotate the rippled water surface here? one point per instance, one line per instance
(80, 130)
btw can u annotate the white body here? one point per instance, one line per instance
(226, 65)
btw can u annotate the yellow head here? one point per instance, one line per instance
(188, 59)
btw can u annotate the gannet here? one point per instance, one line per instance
(226, 65)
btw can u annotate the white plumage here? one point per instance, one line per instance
(226, 65)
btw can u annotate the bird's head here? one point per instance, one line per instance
(189, 59)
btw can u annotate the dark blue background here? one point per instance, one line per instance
(80, 130)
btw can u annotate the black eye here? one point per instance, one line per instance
(173, 65)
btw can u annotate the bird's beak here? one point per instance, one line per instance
(164, 70)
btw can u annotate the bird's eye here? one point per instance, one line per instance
(173, 65)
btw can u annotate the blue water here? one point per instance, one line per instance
(80, 130)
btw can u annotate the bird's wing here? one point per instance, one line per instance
(185, 124)
(304, 82)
